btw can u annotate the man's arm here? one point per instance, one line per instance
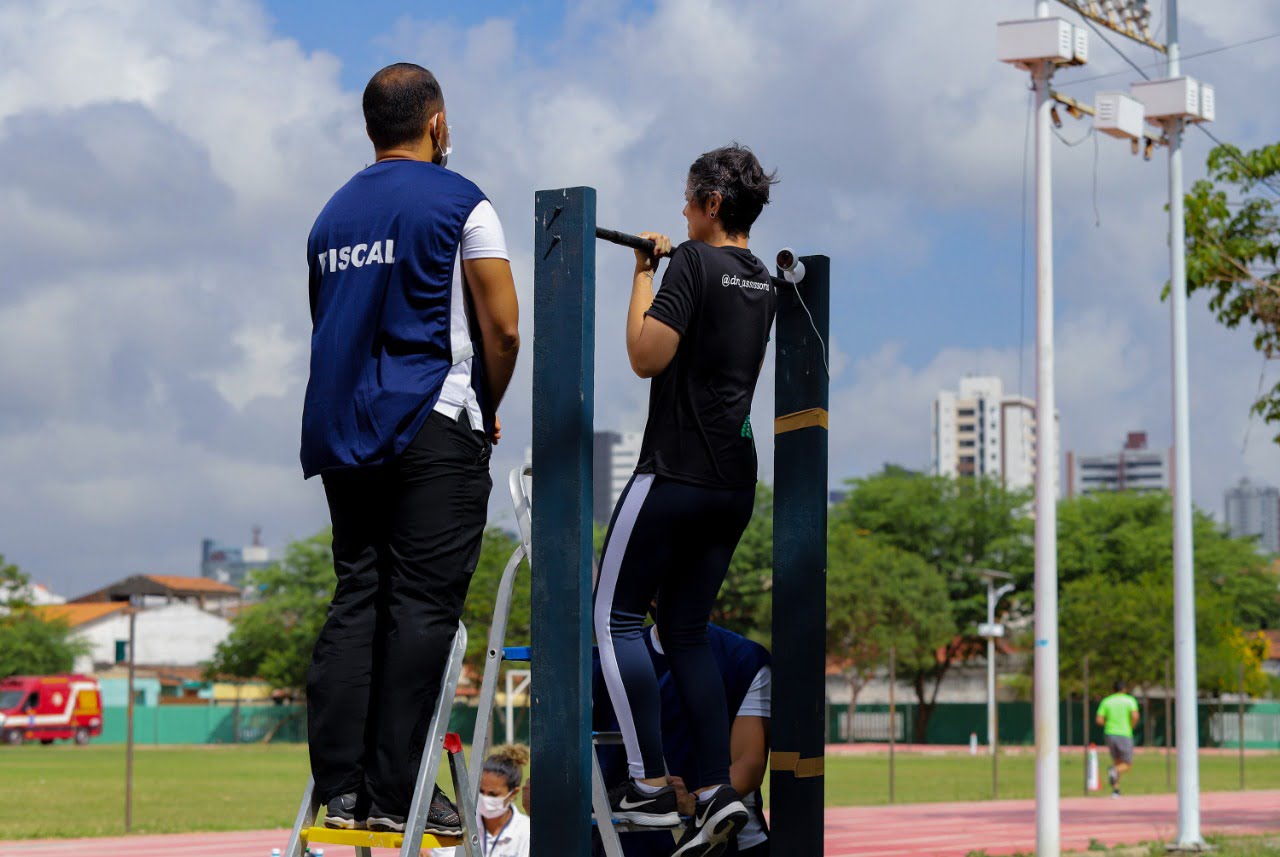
(748, 753)
(493, 295)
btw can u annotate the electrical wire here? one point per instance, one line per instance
(1163, 63)
(1248, 424)
(1022, 263)
(1073, 144)
(814, 325)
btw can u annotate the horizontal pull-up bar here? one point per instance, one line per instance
(635, 242)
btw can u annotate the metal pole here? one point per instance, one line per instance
(1084, 717)
(1240, 724)
(1184, 604)
(1168, 726)
(991, 669)
(1048, 763)
(128, 748)
(801, 402)
(893, 714)
(563, 413)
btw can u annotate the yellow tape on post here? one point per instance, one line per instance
(814, 767)
(801, 419)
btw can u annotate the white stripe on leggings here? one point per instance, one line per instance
(610, 566)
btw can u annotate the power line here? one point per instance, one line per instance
(1235, 157)
(1162, 63)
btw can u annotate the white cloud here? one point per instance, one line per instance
(161, 165)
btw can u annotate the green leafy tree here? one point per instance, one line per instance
(957, 526)
(743, 604)
(272, 639)
(29, 644)
(495, 553)
(1233, 243)
(881, 598)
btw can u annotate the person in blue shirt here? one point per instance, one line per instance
(414, 340)
(746, 675)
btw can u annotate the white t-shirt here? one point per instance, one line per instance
(511, 841)
(482, 238)
(755, 704)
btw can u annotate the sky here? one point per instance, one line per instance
(161, 165)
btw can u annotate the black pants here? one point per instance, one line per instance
(406, 539)
(674, 542)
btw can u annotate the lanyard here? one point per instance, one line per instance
(484, 833)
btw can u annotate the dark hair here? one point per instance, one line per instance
(508, 762)
(398, 102)
(735, 173)
(1120, 686)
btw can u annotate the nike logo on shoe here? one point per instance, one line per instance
(625, 803)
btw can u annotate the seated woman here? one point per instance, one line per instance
(504, 830)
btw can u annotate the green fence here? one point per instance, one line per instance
(953, 723)
(220, 724)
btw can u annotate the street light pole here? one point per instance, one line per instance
(1184, 619)
(1047, 782)
(991, 631)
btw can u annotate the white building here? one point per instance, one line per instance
(614, 459)
(1133, 468)
(979, 431)
(177, 634)
(1254, 510)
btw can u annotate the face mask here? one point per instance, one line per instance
(491, 806)
(444, 151)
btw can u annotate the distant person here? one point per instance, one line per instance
(504, 830)
(1117, 715)
(702, 340)
(747, 678)
(414, 339)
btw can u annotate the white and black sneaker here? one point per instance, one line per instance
(1113, 776)
(340, 813)
(715, 825)
(632, 805)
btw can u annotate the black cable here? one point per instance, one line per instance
(1164, 62)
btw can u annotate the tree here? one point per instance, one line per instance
(30, 645)
(495, 552)
(1233, 244)
(743, 604)
(957, 526)
(273, 638)
(879, 598)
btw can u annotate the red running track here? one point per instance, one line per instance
(921, 829)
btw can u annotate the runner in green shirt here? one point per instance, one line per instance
(1117, 715)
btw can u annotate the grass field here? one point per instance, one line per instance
(79, 791)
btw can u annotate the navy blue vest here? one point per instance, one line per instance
(381, 259)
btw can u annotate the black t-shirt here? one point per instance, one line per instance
(721, 301)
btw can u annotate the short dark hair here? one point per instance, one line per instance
(735, 173)
(398, 102)
(1120, 685)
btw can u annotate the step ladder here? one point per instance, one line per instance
(520, 483)
(307, 834)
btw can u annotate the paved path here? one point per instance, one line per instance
(922, 829)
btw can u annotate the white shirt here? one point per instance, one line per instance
(755, 704)
(482, 238)
(511, 841)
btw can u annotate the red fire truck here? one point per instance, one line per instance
(49, 708)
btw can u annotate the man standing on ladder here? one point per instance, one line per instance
(413, 343)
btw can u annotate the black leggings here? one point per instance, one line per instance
(673, 541)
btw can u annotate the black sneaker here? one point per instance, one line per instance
(630, 804)
(442, 818)
(715, 825)
(340, 813)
